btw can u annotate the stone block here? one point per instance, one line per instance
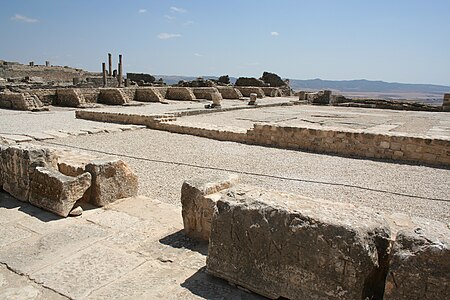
(229, 92)
(420, 262)
(247, 90)
(111, 180)
(69, 97)
(113, 97)
(198, 199)
(17, 166)
(148, 95)
(58, 193)
(272, 91)
(280, 245)
(180, 93)
(205, 92)
(21, 101)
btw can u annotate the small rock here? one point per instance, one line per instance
(77, 211)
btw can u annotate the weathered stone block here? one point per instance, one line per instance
(111, 180)
(281, 245)
(198, 199)
(21, 101)
(247, 90)
(205, 92)
(229, 92)
(420, 263)
(18, 164)
(69, 97)
(272, 91)
(112, 97)
(148, 95)
(56, 192)
(180, 93)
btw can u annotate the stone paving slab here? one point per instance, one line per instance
(132, 249)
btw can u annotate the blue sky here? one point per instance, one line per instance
(395, 40)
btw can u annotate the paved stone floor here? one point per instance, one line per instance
(133, 249)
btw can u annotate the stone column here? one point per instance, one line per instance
(446, 102)
(120, 79)
(110, 73)
(104, 74)
(31, 63)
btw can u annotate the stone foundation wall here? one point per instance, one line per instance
(113, 96)
(229, 92)
(204, 92)
(354, 143)
(21, 101)
(286, 245)
(247, 90)
(47, 96)
(148, 94)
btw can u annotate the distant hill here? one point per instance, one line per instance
(367, 86)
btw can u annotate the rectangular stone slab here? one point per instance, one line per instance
(281, 245)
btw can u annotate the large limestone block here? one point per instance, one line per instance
(205, 92)
(111, 180)
(420, 262)
(288, 246)
(247, 90)
(18, 163)
(113, 97)
(58, 193)
(148, 95)
(229, 92)
(180, 93)
(198, 200)
(21, 101)
(69, 97)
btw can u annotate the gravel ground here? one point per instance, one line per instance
(322, 176)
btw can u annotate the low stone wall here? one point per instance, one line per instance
(47, 96)
(69, 97)
(354, 143)
(180, 93)
(21, 101)
(148, 94)
(286, 245)
(272, 91)
(56, 180)
(204, 92)
(114, 96)
(247, 90)
(229, 92)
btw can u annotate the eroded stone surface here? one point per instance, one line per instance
(57, 192)
(148, 95)
(113, 97)
(69, 97)
(198, 199)
(420, 262)
(281, 245)
(111, 180)
(180, 93)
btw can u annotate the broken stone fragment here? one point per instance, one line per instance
(198, 199)
(77, 211)
(420, 262)
(55, 191)
(111, 180)
(297, 248)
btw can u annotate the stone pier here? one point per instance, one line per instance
(110, 65)
(120, 78)
(104, 74)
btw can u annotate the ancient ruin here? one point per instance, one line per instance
(122, 135)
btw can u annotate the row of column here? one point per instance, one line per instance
(112, 73)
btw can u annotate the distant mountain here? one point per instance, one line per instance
(354, 86)
(345, 86)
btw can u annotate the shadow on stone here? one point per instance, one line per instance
(180, 240)
(209, 287)
(9, 202)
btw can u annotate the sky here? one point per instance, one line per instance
(391, 40)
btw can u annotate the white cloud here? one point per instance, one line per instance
(166, 36)
(188, 23)
(169, 17)
(22, 18)
(178, 9)
(198, 54)
(274, 33)
(142, 11)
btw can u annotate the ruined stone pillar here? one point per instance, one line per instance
(114, 73)
(47, 63)
(104, 74)
(253, 97)
(110, 64)
(446, 102)
(120, 79)
(127, 82)
(31, 63)
(302, 95)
